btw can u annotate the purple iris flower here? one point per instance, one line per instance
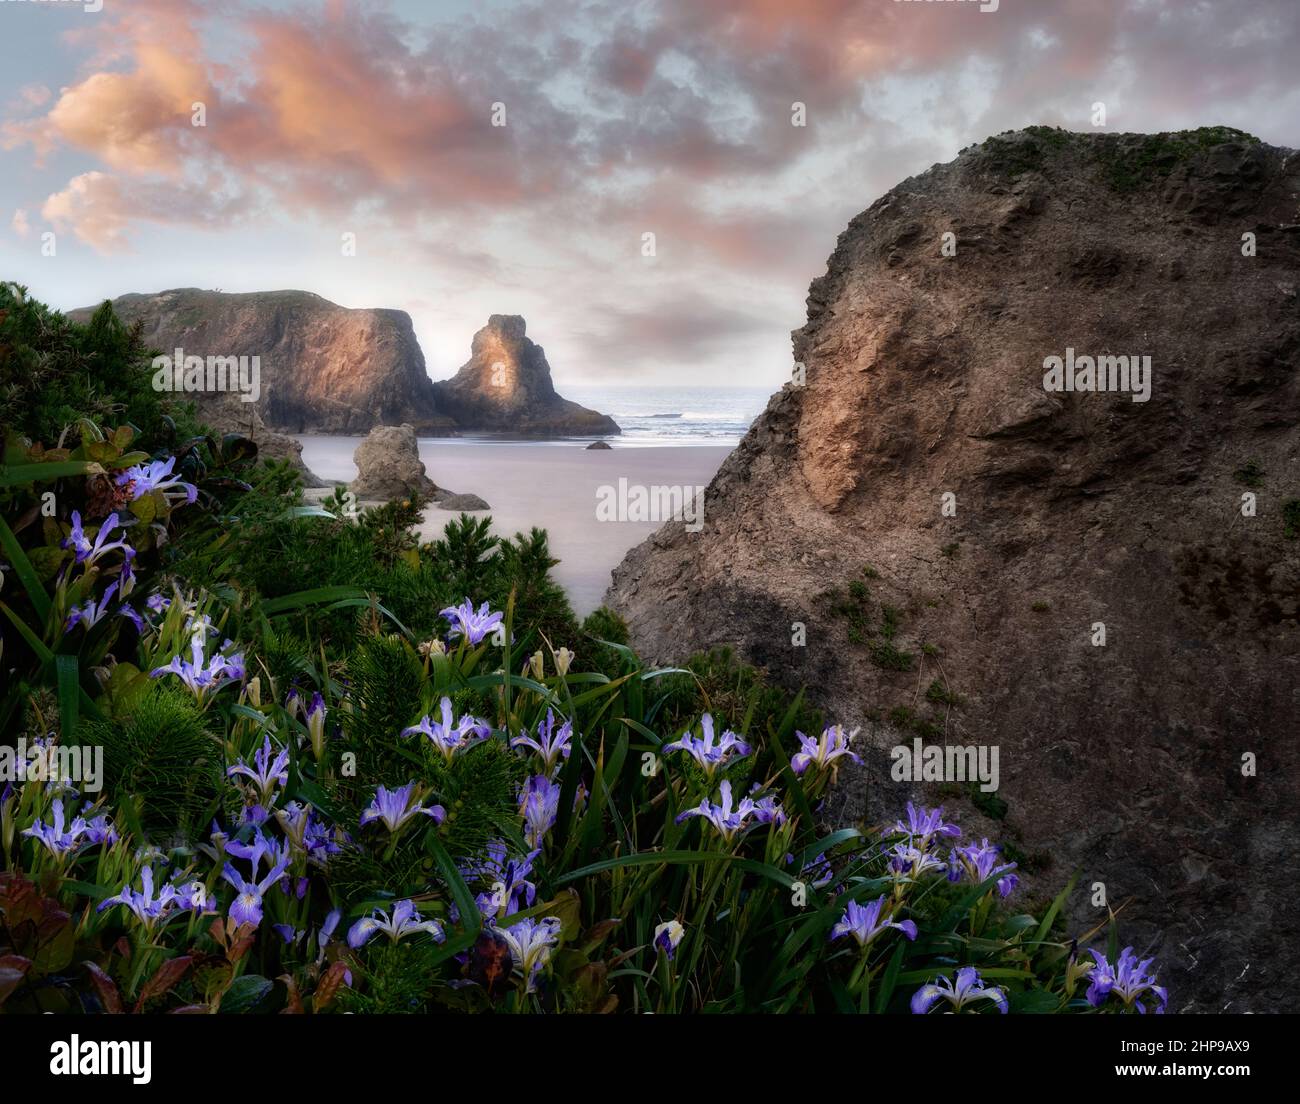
(157, 603)
(192, 896)
(59, 837)
(733, 822)
(865, 922)
(266, 773)
(911, 862)
(396, 807)
(968, 989)
(818, 872)
(307, 832)
(246, 908)
(258, 849)
(146, 908)
(924, 824)
(449, 735)
(766, 810)
(539, 805)
(668, 936)
(157, 476)
(402, 922)
(822, 752)
(530, 941)
(100, 829)
(203, 676)
(1128, 979)
(980, 862)
(473, 626)
(551, 745)
(708, 754)
(91, 613)
(511, 890)
(88, 552)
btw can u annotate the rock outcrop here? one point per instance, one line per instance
(505, 386)
(337, 370)
(468, 503)
(323, 368)
(389, 466)
(1105, 589)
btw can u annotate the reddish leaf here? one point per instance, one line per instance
(13, 968)
(244, 937)
(329, 984)
(169, 973)
(190, 1010)
(294, 1005)
(105, 989)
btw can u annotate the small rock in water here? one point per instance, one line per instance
(600, 445)
(462, 502)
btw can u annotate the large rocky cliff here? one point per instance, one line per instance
(1106, 589)
(324, 368)
(332, 369)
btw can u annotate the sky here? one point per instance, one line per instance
(622, 118)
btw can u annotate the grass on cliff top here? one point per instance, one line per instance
(1127, 162)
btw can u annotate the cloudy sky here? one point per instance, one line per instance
(622, 118)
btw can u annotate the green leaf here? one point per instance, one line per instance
(245, 993)
(16, 475)
(23, 569)
(69, 695)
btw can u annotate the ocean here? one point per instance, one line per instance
(653, 416)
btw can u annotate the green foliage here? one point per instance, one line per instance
(162, 758)
(54, 372)
(1291, 519)
(1250, 474)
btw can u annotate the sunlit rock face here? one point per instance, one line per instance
(1108, 586)
(323, 368)
(505, 386)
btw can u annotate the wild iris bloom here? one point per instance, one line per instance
(87, 552)
(704, 751)
(260, 848)
(910, 861)
(865, 922)
(91, 613)
(731, 823)
(396, 807)
(61, 838)
(266, 773)
(979, 862)
(202, 676)
(247, 905)
(146, 908)
(539, 804)
(530, 942)
(511, 890)
(157, 476)
(550, 745)
(402, 922)
(668, 936)
(967, 990)
(924, 824)
(449, 735)
(1127, 979)
(472, 626)
(822, 752)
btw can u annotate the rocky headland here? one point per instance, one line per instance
(1103, 586)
